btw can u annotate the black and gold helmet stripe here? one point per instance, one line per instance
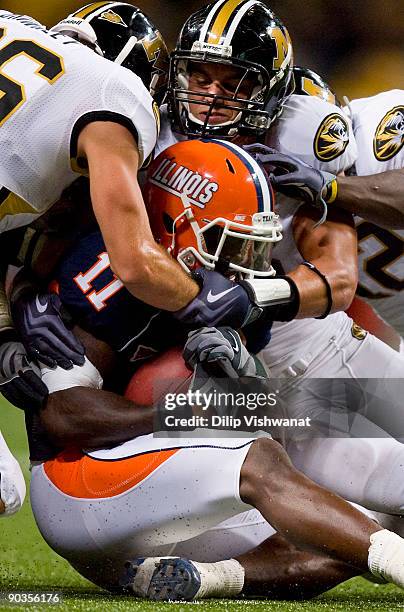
(89, 9)
(210, 19)
(221, 22)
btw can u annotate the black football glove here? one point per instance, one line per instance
(293, 177)
(20, 378)
(219, 302)
(38, 318)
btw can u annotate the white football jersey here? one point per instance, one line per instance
(320, 134)
(378, 124)
(167, 137)
(53, 86)
(315, 131)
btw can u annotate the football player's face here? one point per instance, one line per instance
(209, 80)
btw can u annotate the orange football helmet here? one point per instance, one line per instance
(210, 204)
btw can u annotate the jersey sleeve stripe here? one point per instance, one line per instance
(98, 116)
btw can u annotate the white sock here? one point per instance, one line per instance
(386, 556)
(220, 579)
(12, 484)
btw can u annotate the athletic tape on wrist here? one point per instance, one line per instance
(59, 379)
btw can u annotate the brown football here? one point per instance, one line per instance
(165, 373)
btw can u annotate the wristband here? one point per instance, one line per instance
(278, 296)
(331, 191)
(312, 267)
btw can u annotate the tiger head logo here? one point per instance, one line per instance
(389, 136)
(113, 18)
(332, 138)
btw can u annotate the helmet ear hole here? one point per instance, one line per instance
(168, 223)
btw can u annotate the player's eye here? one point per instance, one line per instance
(199, 79)
(230, 86)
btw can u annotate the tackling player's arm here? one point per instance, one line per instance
(332, 249)
(377, 198)
(145, 268)
(324, 283)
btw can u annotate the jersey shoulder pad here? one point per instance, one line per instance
(125, 95)
(382, 101)
(378, 124)
(316, 132)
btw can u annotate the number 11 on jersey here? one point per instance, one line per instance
(84, 281)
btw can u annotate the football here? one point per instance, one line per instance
(165, 373)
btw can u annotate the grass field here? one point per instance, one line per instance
(28, 564)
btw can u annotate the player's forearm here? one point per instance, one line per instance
(332, 248)
(154, 277)
(377, 198)
(312, 288)
(108, 419)
(144, 267)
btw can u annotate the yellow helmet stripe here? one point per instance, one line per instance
(90, 8)
(222, 20)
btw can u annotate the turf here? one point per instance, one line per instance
(28, 564)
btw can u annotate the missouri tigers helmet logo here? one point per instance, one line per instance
(332, 138)
(389, 136)
(113, 18)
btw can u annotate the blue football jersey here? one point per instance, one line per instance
(101, 305)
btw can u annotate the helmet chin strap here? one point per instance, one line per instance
(121, 57)
(206, 124)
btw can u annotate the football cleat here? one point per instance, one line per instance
(162, 579)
